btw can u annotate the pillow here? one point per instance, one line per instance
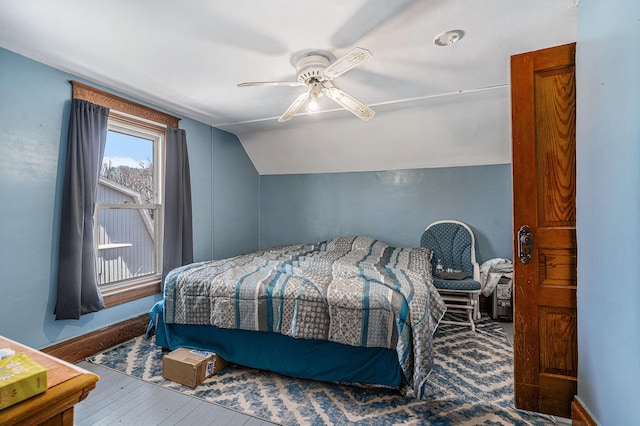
(416, 259)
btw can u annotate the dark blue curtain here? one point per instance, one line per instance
(178, 228)
(78, 292)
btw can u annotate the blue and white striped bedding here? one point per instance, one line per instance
(356, 291)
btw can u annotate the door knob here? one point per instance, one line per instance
(525, 241)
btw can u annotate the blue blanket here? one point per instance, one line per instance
(351, 290)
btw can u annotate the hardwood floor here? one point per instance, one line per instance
(122, 399)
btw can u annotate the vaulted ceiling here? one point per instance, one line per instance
(435, 106)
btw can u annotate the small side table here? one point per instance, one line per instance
(67, 385)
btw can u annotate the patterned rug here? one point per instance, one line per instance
(471, 384)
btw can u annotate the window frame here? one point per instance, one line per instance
(126, 111)
(133, 126)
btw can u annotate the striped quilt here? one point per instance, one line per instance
(356, 291)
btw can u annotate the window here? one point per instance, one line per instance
(129, 212)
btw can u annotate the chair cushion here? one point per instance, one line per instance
(465, 284)
(451, 243)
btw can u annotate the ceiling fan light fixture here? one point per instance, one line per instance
(314, 93)
(316, 69)
(448, 38)
(312, 106)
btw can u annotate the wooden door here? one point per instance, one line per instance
(543, 97)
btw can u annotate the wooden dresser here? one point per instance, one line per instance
(67, 385)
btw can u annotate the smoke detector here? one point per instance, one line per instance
(448, 38)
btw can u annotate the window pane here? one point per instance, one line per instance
(125, 236)
(127, 170)
(125, 244)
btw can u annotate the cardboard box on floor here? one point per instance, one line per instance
(190, 367)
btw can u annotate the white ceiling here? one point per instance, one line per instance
(435, 106)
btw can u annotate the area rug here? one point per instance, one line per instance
(471, 384)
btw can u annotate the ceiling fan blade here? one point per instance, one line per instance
(350, 103)
(295, 106)
(348, 61)
(271, 83)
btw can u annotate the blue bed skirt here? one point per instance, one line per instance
(309, 359)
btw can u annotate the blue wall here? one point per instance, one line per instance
(608, 209)
(34, 115)
(236, 205)
(394, 206)
(225, 189)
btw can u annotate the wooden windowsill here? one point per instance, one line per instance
(117, 296)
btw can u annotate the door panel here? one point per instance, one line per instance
(557, 326)
(544, 179)
(555, 147)
(557, 267)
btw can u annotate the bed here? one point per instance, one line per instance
(350, 309)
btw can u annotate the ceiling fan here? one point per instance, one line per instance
(316, 69)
